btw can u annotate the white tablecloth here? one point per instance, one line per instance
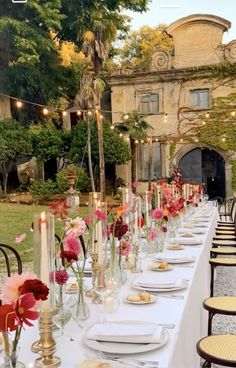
(187, 314)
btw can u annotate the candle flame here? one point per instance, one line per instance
(43, 216)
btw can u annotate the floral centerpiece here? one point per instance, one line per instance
(21, 295)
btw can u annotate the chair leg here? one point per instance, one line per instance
(212, 280)
(206, 365)
(210, 316)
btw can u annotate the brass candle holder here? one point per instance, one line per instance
(46, 345)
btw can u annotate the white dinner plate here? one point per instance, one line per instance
(142, 302)
(154, 289)
(176, 260)
(125, 348)
(172, 247)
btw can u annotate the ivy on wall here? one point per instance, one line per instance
(233, 174)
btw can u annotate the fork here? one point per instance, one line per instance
(138, 363)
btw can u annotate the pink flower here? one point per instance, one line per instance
(75, 226)
(61, 276)
(167, 193)
(19, 238)
(157, 214)
(124, 248)
(88, 220)
(10, 290)
(100, 215)
(135, 184)
(25, 309)
(153, 234)
(72, 244)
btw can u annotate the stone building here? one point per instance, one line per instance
(176, 81)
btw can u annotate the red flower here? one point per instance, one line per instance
(61, 276)
(120, 229)
(36, 287)
(7, 318)
(69, 256)
(141, 222)
(59, 207)
(24, 311)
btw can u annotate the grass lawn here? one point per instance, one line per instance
(16, 219)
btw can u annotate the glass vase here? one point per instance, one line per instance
(11, 361)
(64, 314)
(81, 309)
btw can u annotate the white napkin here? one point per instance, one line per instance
(165, 257)
(148, 281)
(127, 333)
(192, 241)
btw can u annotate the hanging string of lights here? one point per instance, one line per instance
(46, 110)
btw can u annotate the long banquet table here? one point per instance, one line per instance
(187, 314)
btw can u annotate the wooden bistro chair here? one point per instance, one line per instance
(222, 251)
(217, 261)
(225, 305)
(226, 210)
(218, 349)
(223, 243)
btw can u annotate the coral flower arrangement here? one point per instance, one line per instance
(21, 295)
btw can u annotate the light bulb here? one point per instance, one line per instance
(19, 104)
(136, 141)
(112, 127)
(126, 116)
(64, 113)
(78, 112)
(203, 123)
(45, 111)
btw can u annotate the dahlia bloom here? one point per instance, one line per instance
(157, 213)
(75, 226)
(61, 276)
(100, 215)
(124, 248)
(72, 244)
(11, 287)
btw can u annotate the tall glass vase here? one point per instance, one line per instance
(81, 309)
(64, 314)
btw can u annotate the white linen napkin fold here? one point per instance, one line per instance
(126, 333)
(147, 281)
(186, 241)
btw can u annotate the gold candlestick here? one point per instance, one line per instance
(46, 345)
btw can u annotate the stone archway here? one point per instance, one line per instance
(221, 157)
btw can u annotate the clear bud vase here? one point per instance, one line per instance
(64, 314)
(11, 361)
(81, 309)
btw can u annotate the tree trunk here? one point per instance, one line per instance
(5, 106)
(90, 156)
(150, 154)
(4, 177)
(133, 147)
(101, 155)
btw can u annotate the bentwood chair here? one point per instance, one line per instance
(218, 349)
(8, 254)
(223, 251)
(226, 210)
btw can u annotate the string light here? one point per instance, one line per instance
(89, 113)
(149, 140)
(196, 140)
(126, 117)
(79, 113)
(19, 104)
(203, 123)
(101, 116)
(181, 140)
(142, 141)
(121, 135)
(112, 127)
(45, 111)
(233, 113)
(207, 115)
(64, 113)
(136, 141)
(128, 139)
(156, 140)
(223, 139)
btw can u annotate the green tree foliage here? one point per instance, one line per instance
(14, 144)
(140, 46)
(116, 150)
(47, 143)
(219, 129)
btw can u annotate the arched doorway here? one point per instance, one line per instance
(205, 166)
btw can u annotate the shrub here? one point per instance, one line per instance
(43, 190)
(82, 180)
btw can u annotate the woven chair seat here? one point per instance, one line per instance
(227, 243)
(227, 228)
(225, 237)
(226, 223)
(221, 304)
(218, 349)
(225, 232)
(223, 250)
(223, 261)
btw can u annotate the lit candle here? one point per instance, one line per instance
(44, 261)
(109, 304)
(147, 207)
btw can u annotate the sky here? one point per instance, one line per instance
(168, 11)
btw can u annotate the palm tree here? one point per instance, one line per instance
(136, 127)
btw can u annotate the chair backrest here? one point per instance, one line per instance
(8, 253)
